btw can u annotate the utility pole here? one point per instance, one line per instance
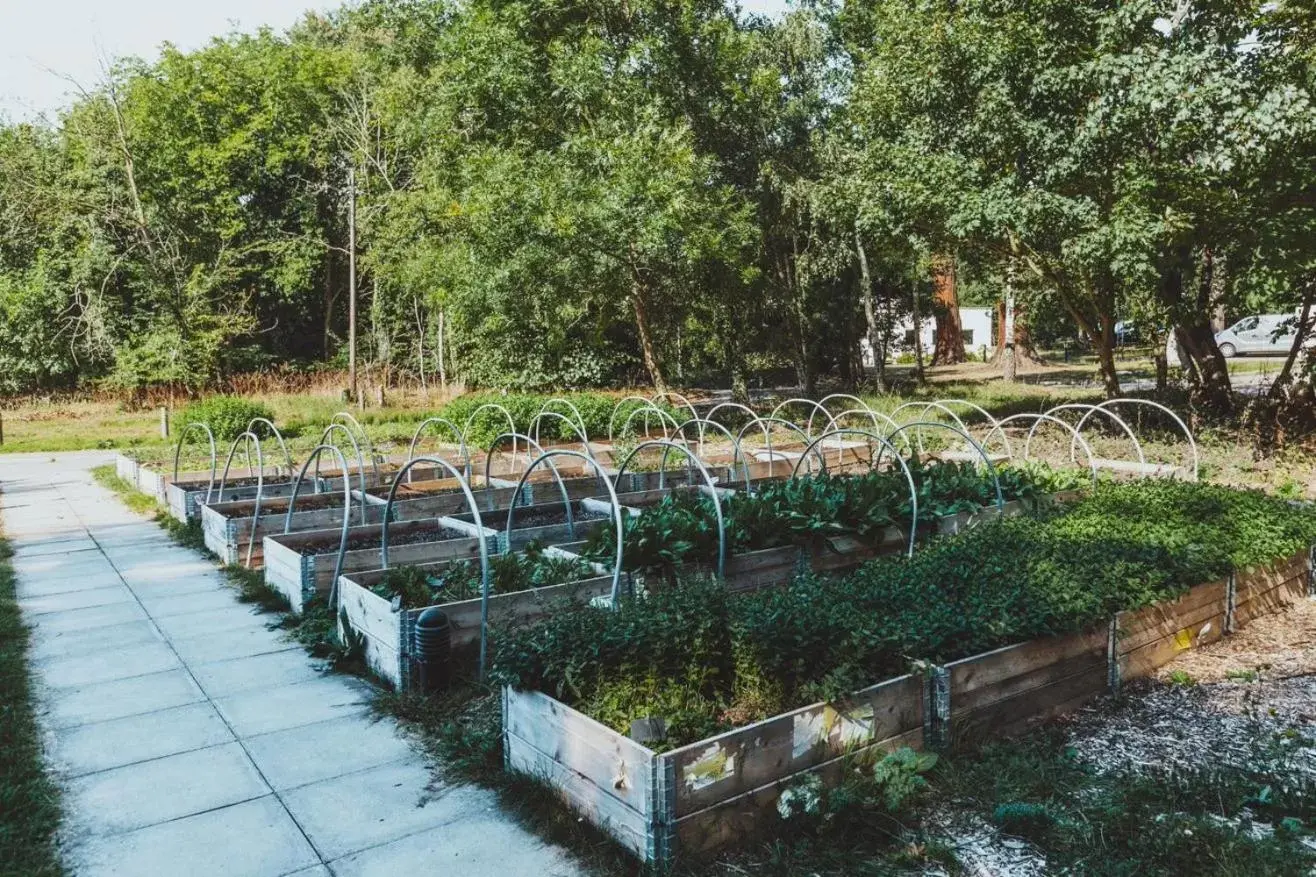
(351, 281)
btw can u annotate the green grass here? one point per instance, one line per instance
(29, 801)
(107, 477)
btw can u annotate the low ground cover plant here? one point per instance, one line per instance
(708, 662)
(682, 527)
(227, 416)
(596, 409)
(461, 580)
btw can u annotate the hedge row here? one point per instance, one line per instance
(706, 662)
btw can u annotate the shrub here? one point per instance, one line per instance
(596, 409)
(227, 416)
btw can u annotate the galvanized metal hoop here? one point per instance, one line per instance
(557, 476)
(346, 416)
(479, 526)
(347, 511)
(287, 456)
(1087, 449)
(881, 440)
(332, 429)
(214, 457)
(577, 428)
(982, 452)
(452, 427)
(669, 446)
(490, 406)
(766, 422)
(1088, 411)
(1188, 433)
(250, 437)
(816, 407)
(735, 448)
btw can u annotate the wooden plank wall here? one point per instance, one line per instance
(1012, 689)
(1271, 589)
(721, 786)
(1149, 638)
(606, 777)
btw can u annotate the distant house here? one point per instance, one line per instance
(975, 322)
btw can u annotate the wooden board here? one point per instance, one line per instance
(1149, 638)
(753, 814)
(1264, 592)
(731, 764)
(615, 764)
(372, 618)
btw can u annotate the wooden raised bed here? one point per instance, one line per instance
(588, 515)
(388, 629)
(226, 526)
(300, 566)
(720, 790)
(708, 794)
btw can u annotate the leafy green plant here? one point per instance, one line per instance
(462, 580)
(227, 416)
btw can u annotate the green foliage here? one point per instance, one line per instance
(595, 409)
(227, 416)
(1127, 546)
(462, 580)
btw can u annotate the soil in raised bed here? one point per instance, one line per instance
(305, 503)
(529, 517)
(430, 532)
(461, 580)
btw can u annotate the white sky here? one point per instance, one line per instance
(44, 40)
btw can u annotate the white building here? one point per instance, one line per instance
(976, 324)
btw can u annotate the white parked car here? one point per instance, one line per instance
(1267, 334)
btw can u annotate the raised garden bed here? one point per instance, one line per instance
(386, 619)
(543, 522)
(227, 526)
(1011, 624)
(300, 566)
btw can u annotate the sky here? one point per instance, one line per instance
(45, 43)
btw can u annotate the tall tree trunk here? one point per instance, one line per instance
(1009, 366)
(1104, 336)
(443, 370)
(805, 366)
(1301, 332)
(640, 306)
(874, 332)
(946, 309)
(1192, 318)
(918, 337)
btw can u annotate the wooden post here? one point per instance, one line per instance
(164, 422)
(2, 428)
(351, 279)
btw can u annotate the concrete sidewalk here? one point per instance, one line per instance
(189, 739)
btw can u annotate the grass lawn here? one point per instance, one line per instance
(29, 801)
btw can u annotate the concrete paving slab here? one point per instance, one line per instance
(241, 643)
(273, 670)
(131, 661)
(47, 585)
(124, 697)
(481, 845)
(253, 839)
(311, 753)
(267, 710)
(351, 813)
(150, 792)
(209, 622)
(86, 619)
(182, 604)
(66, 563)
(55, 545)
(37, 606)
(118, 742)
(47, 645)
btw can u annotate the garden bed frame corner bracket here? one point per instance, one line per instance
(661, 842)
(936, 707)
(1231, 601)
(1112, 654)
(1311, 571)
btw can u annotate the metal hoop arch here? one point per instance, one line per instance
(558, 400)
(214, 457)
(712, 489)
(492, 406)
(658, 398)
(816, 408)
(347, 473)
(479, 524)
(822, 403)
(663, 419)
(1087, 449)
(347, 511)
(944, 404)
(452, 427)
(612, 418)
(982, 452)
(531, 443)
(1088, 410)
(260, 481)
(365, 437)
(909, 478)
(612, 497)
(277, 435)
(764, 421)
(1188, 433)
(927, 406)
(580, 432)
(735, 448)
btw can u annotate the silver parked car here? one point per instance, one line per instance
(1268, 334)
